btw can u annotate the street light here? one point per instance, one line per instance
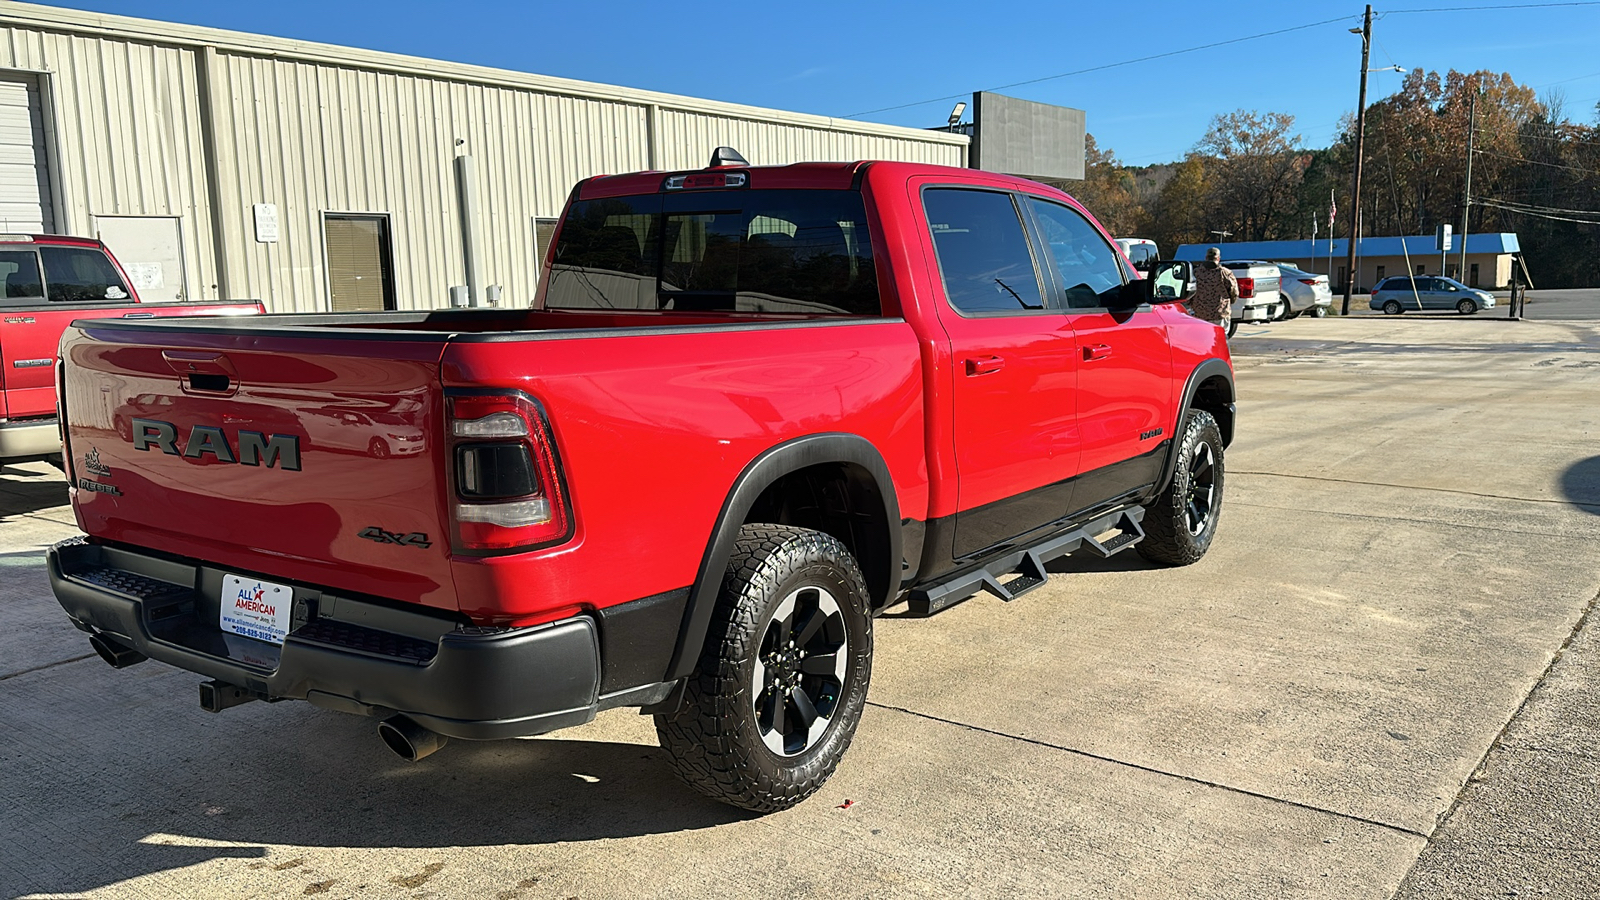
(955, 114)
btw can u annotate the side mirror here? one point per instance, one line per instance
(1169, 281)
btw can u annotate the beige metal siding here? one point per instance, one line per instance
(125, 133)
(316, 129)
(688, 137)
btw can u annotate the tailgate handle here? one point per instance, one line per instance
(202, 372)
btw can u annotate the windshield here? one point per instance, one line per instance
(780, 251)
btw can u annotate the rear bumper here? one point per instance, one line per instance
(459, 681)
(29, 439)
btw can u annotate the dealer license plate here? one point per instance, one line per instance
(256, 609)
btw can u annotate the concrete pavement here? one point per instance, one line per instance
(1409, 540)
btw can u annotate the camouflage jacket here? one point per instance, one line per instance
(1215, 289)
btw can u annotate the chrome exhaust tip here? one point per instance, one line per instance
(409, 740)
(116, 655)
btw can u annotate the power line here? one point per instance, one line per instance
(1534, 162)
(1537, 215)
(1126, 62)
(1534, 207)
(1433, 9)
(1557, 138)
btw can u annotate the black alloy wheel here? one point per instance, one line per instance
(799, 675)
(1200, 490)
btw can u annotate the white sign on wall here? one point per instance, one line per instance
(146, 276)
(266, 223)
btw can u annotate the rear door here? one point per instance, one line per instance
(1124, 361)
(1015, 369)
(27, 344)
(46, 287)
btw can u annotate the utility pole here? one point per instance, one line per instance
(1466, 194)
(1361, 140)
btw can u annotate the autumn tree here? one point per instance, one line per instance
(1178, 214)
(1107, 190)
(1255, 173)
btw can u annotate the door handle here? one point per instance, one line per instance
(984, 365)
(1096, 351)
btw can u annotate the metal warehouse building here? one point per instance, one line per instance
(221, 165)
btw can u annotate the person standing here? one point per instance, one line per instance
(1215, 289)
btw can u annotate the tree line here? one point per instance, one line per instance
(1534, 172)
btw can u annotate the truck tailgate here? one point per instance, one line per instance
(230, 444)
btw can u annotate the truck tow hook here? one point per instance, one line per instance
(116, 655)
(409, 740)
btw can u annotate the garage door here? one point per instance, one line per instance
(24, 181)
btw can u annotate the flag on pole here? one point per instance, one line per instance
(1333, 210)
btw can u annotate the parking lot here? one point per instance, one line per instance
(1378, 681)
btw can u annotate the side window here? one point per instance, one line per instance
(983, 251)
(79, 274)
(20, 271)
(1090, 275)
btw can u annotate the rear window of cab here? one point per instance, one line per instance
(787, 252)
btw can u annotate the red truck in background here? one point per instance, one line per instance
(50, 280)
(749, 409)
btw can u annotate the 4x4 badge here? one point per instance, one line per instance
(414, 539)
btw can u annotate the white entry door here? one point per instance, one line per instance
(150, 249)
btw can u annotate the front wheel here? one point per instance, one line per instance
(1180, 524)
(1466, 307)
(782, 679)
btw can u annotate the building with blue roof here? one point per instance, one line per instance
(1489, 257)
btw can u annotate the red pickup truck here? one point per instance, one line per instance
(49, 281)
(749, 409)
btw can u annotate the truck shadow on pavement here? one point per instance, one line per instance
(1580, 483)
(153, 788)
(26, 491)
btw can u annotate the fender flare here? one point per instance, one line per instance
(1207, 369)
(761, 473)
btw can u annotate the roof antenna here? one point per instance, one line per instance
(727, 156)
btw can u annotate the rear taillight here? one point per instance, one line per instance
(1311, 281)
(508, 493)
(1247, 288)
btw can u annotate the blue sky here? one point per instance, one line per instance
(841, 59)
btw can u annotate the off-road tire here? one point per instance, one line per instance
(714, 741)
(1169, 539)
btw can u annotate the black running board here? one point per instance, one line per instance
(1028, 564)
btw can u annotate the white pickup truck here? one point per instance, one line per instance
(1259, 293)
